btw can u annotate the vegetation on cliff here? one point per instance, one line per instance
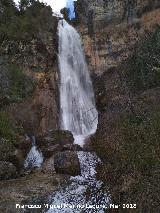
(14, 84)
(25, 31)
(143, 67)
(131, 152)
(10, 133)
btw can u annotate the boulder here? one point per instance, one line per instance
(17, 158)
(22, 148)
(24, 144)
(7, 170)
(54, 141)
(48, 166)
(67, 163)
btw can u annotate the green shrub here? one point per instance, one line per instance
(6, 126)
(142, 69)
(20, 85)
(6, 149)
(9, 135)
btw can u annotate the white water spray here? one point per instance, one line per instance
(34, 158)
(72, 199)
(78, 111)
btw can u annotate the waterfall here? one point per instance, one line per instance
(78, 115)
(78, 111)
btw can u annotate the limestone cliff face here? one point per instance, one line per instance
(102, 12)
(106, 50)
(112, 44)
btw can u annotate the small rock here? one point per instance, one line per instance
(7, 170)
(67, 163)
(72, 147)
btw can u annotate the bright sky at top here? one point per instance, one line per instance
(56, 5)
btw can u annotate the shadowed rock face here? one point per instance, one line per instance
(67, 163)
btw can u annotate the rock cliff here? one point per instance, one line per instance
(121, 42)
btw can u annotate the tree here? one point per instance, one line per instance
(23, 4)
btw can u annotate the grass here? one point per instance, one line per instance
(140, 141)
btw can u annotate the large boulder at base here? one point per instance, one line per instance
(7, 170)
(53, 142)
(67, 163)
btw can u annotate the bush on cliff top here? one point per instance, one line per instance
(33, 20)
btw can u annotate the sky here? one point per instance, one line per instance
(57, 5)
(70, 5)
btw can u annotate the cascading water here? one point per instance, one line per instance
(74, 198)
(78, 111)
(34, 157)
(78, 115)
